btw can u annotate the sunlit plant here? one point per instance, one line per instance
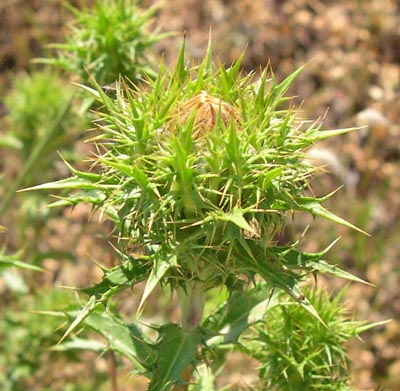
(40, 104)
(199, 170)
(111, 38)
(297, 353)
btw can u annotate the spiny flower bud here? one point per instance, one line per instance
(207, 109)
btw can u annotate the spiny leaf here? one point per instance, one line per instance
(314, 207)
(180, 71)
(176, 349)
(118, 278)
(235, 216)
(93, 197)
(126, 339)
(325, 267)
(279, 90)
(81, 316)
(70, 183)
(285, 280)
(160, 267)
(298, 260)
(206, 67)
(365, 327)
(324, 134)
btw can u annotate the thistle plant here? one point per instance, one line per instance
(296, 353)
(110, 39)
(199, 171)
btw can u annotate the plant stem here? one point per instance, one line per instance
(113, 372)
(191, 300)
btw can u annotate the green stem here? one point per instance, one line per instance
(191, 300)
(34, 157)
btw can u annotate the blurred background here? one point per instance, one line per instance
(352, 78)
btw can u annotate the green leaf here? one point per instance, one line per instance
(365, 327)
(325, 267)
(297, 260)
(273, 273)
(140, 177)
(13, 261)
(81, 316)
(93, 197)
(125, 169)
(235, 216)
(279, 90)
(206, 67)
(180, 72)
(242, 310)
(117, 279)
(126, 339)
(80, 344)
(176, 350)
(287, 282)
(160, 267)
(313, 206)
(318, 135)
(70, 183)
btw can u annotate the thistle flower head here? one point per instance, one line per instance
(200, 168)
(206, 110)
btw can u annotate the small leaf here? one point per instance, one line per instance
(81, 316)
(86, 88)
(235, 216)
(324, 134)
(369, 326)
(69, 183)
(281, 278)
(312, 206)
(160, 267)
(13, 261)
(140, 177)
(279, 90)
(325, 267)
(117, 279)
(81, 344)
(298, 260)
(180, 72)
